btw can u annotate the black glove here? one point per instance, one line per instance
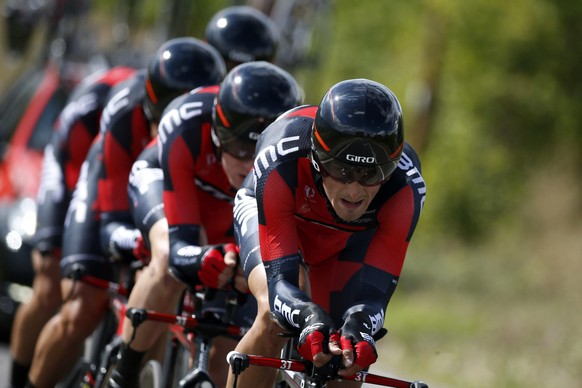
(356, 334)
(317, 330)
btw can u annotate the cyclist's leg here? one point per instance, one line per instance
(61, 340)
(157, 290)
(217, 367)
(262, 338)
(33, 315)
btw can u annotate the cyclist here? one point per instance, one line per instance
(335, 194)
(77, 126)
(206, 141)
(242, 34)
(100, 199)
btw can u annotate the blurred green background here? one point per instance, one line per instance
(490, 295)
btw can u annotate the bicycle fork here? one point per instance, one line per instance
(199, 377)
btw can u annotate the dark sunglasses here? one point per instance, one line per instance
(365, 175)
(239, 149)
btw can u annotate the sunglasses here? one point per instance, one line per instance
(239, 149)
(365, 175)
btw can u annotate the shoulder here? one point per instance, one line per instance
(187, 113)
(287, 138)
(123, 99)
(407, 175)
(293, 123)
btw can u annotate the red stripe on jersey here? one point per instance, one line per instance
(117, 165)
(305, 111)
(78, 144)
(209, 89)
(181, 171)
(118, 74)
(388, 247)
(170, 208)
(279, 236)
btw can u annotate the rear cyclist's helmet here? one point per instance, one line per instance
(242, 34)
(358, 133)
(180, 65)
(251, 97)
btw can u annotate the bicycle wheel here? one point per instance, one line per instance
(76, 377)
(151, 375)
(181, 365)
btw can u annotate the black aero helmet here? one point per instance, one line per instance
(251, 97)
(180, 65)
(358, 133)
(242, 34)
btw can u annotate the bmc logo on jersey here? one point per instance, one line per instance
(286, 311)
(360, 159)
(270, 154)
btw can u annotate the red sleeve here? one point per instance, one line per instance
(78, 145)
(278, 232)
(388, 247)
(180, 175)
(116, 164)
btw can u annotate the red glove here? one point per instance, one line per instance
(213, 264)
(141, 251)
(317, 331)
(355, 335)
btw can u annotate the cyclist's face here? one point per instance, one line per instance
(236, 169)
(351, 200)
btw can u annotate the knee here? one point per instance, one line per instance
(268, 330)
(48, 298)
(80, 316)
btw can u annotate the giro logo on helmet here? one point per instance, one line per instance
(360, 159)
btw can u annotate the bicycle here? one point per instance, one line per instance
(101, 341)
(186, 360)
(297, 373)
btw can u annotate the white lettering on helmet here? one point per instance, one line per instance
(283, 309)
(360, 159)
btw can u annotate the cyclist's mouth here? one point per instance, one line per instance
(351, 204)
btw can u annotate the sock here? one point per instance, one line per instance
(19, 374)
(125, 374)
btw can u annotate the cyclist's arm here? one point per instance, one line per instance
(182, 204)
(280, 251)
(118, 233)
(385, 256)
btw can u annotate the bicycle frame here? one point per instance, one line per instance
(185, 329)
(304, 374)
(107, 340)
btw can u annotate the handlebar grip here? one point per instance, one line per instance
(238, 361)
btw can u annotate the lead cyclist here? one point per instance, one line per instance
(335, 195)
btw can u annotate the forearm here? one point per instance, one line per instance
(371, 295)
(118, 239)
(286, 300)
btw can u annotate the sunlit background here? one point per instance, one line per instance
(490, 295)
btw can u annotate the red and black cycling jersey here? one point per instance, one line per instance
(350, 264)
(198, 198)
(145, 190)
(125, 132)
(73, 133)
